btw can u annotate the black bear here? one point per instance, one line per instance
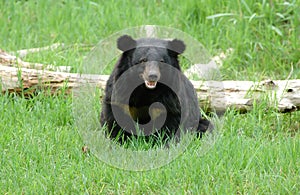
(147, 93)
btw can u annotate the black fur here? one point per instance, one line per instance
(156, 56)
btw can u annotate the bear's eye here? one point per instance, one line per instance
(143, 60)
(162, 61)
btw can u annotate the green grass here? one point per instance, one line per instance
(258, 153)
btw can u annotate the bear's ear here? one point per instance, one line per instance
(176, 46)
(126, 43)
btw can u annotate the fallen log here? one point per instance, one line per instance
(16, 80)
(24, 52)
(283, 95)
(12, 60)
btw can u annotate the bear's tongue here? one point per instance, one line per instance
(150, 84)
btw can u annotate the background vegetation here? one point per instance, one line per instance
(258, 152)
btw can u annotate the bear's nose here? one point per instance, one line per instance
(153, 77)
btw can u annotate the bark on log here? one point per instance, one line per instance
(16, 80)
(283, 95)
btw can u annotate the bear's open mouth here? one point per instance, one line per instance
(150, 84)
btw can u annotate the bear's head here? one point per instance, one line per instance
(150, 55)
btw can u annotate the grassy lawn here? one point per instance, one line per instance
(258, 152)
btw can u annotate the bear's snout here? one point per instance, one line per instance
(151, 74)
(153, 77)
